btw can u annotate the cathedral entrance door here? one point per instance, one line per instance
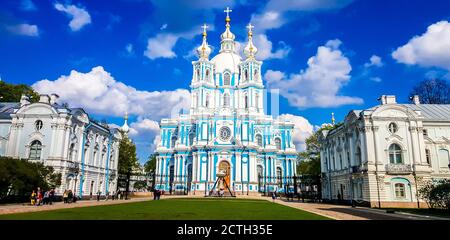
(224, 168)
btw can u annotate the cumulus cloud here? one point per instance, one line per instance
(265, 48)
(318, 85)
(302, 129)
(374, 61)
(24, 29)
(98, 92)
(80, 17)
(431, 49)
(161, 46)
(145, 134)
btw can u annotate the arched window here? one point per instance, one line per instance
(207, 100)
(400, 190)
(278, 143)
(72, 152)
(393, 127)
(191, 139)
(259, 140)
(35, 150)
(358, 156)
(255, 74)
(226, 79)
(246, 75)
(198, 74)
(172, 144)
(257, 100)
(207, 75)
(428, 156)
(245, 101)
(226, 100)
(395, 154)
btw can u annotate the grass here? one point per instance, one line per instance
(424, 211)
(175, 209)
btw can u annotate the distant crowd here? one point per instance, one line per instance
(39, 197)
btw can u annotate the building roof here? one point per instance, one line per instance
(6, 108)
(432, 112)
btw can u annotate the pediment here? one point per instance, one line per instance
(392, 113)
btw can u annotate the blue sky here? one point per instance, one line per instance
(135, 55)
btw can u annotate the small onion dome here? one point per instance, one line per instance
(250, 50)
(125, 127)
(204, 50)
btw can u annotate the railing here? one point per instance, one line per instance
(398, 168)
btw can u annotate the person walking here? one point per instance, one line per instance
(98, 195)
(52, 195)
(119, 195)
(33, 198)
(39, 197)
(113, 196)
(69, 196)
(65, 196)
(274, 196)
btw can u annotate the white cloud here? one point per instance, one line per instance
(24, 29)
(145, 133)
(265, 48)
(80, 17)
(318, 85)
(376, 79)
(164, 26)
(430, 49)
(374, 61)
(302, 129)
(161, 46)
(98, 92)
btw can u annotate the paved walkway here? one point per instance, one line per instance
(341, 212)
(338, 212)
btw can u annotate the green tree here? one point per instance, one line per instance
(150, 165)
(19, 177)
(13, 92)
(127, 159)
(309, 160)
(140, 185)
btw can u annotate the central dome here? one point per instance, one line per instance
(226, 61)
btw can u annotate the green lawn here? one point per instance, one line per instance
(176, 209)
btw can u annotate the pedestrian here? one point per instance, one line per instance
(119, 195)
(52, 195)
(39, 197)
(46, 197)
(65, 196)
(113, 195)
(274, 196)
(98, 195)
(33, 198)
(159, 194)
(107, 196)
(155, 193)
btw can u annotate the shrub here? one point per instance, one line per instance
(436, 194)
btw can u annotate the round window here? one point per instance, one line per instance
(225, 133)
(38, 125)
(393, 127)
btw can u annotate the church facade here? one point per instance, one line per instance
(226, 134)
(84, 151)
(381, 156)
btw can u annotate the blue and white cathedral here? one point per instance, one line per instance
(226, 132)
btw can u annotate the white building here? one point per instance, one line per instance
(382, 155)
(66, 139)
(227, 132)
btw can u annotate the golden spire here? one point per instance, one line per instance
(204, 50)
(250, 49)
(332, 118)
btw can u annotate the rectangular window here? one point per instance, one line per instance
(400, 190)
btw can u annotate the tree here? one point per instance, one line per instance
(127, 159)
(140, 185)
(309, 160)
(19, 177)
(432, 91)
(13, 92)
(150, 165)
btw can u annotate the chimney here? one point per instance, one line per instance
(387, 99)
(416, 99)
(24, 100)
(53, 98)
(44, 98)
